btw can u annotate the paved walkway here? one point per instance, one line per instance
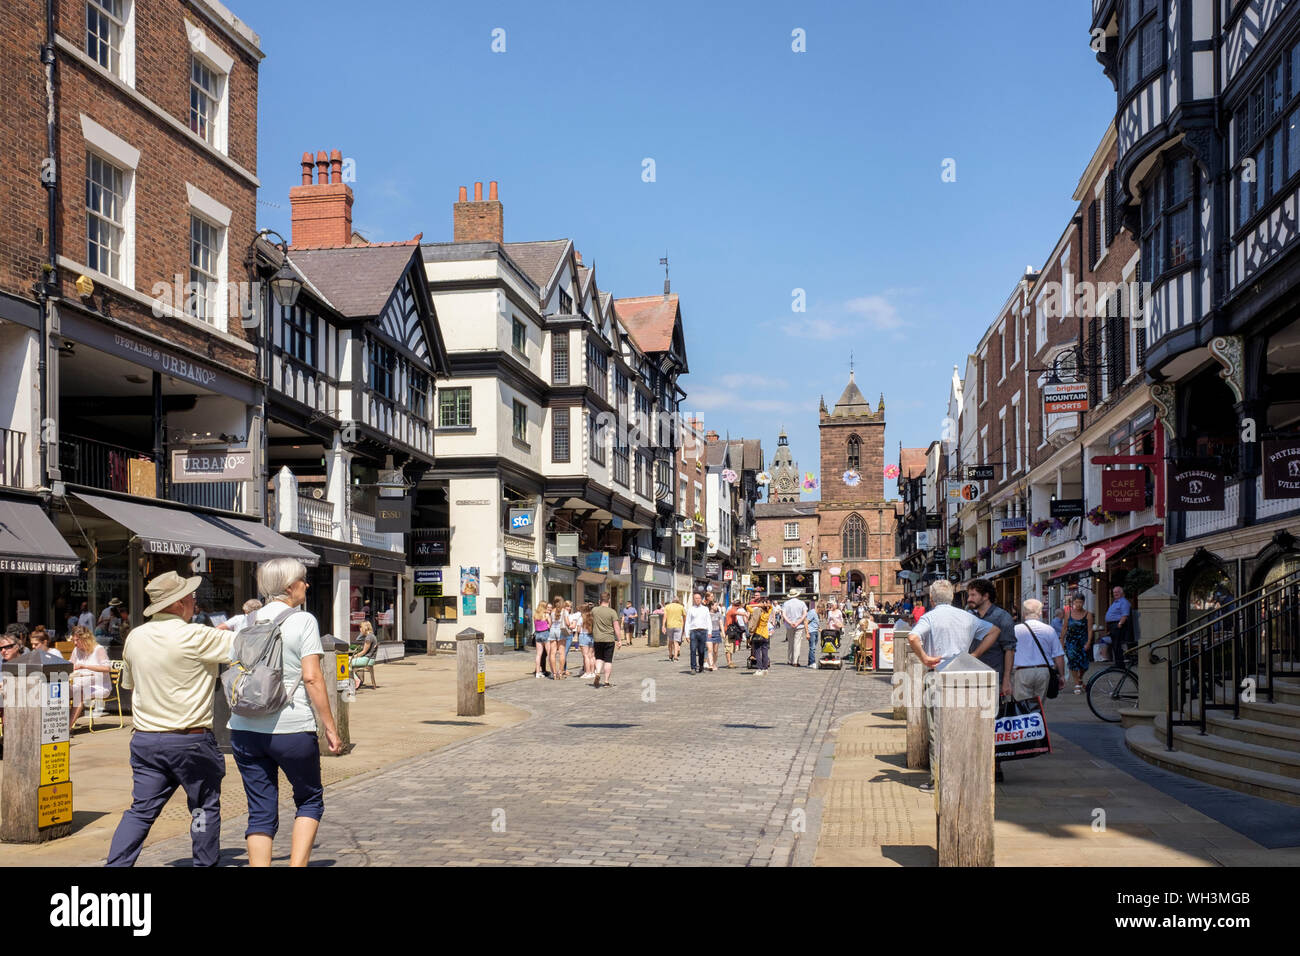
(665, 767)
(1049, 812)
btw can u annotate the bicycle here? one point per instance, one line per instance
(1113, 690)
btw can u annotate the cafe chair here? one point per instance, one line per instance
(114, 694)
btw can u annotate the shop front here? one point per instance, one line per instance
(1053, 591)
(31, 554)
(124, 542)
(560, 583)
(518, 607)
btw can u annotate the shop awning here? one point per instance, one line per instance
(1110, 548)
(163, 530)
(29, 542)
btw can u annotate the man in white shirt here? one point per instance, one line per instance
(1038, 649)
(795, 615)
(86, 619)
(941, 634)
(699, 622)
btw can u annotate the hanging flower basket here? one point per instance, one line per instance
(970, 564)
(1099, 515)
(985, 551)
(1044, 525)
(1008, 544)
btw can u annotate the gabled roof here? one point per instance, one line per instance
(651, 319)
(356, 280)
(539, 260)
(911, 462)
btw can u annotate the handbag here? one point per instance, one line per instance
(1054, 679)
(1020, 730)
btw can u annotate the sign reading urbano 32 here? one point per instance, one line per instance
(191, 464)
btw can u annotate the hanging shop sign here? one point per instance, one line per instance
(393, 515)
(1015, 526)
(713, 568)
(923, 542)
(1281, 468)
(1065, 508)
(687, 539)
(954, 553)
(979, 472)
(515, 566)
(1195, 488)
(428, 550)
(521, 520)
(190, 465)
(1124, 490)
(1065, 398)
(566, 545)
(596, 561)
(963, 491)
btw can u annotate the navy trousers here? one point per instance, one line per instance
(699, 640)
(160, 763)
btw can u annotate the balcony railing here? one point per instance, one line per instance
(95, 464)
(364, 533)
(1272, 509)
(1197, 523)
(315, 516)
(13, 447)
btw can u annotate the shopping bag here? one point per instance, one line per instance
(1020, 730)
(1100, 652)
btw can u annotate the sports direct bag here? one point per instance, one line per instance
(254, 682)
(1020, 730)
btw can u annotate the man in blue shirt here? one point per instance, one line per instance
(1119, 623)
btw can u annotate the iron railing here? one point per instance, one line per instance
(1215, 661)
(13, 448)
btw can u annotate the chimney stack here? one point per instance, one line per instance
(322, 211)
(478, 221)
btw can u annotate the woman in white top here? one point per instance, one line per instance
(90, 669)
(286, 740)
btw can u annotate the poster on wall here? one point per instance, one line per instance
(24, 612)
(469, 581)
(884, 650)
(1281, 468)
(468, 605)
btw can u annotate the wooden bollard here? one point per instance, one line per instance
(471, 673)
(918, 718)
(966, 706)
(36, 798)
(901, 650)
(338, 691)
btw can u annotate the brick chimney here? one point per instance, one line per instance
(321, 211)
(478, 221)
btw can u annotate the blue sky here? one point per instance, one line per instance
(774, 170)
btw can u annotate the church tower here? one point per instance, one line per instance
(857, 523)
(785, 473)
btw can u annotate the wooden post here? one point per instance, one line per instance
(431, 635)
(36, 798)
(918, 719)
(656, 630)
(471, 679)
(900, 675)
(338, 692)
(966, 705)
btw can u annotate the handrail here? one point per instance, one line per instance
(1237, 604)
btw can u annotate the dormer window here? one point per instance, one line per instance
(566, 304)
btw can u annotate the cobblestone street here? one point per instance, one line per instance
(665, 767)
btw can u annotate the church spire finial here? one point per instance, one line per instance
(850, 365)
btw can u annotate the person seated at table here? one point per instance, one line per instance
(90, 669)
(366, 656)
(42, 644)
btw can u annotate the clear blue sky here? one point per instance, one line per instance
(775, 170)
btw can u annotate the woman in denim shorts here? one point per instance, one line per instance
(286, 740)
(714, 640)
(586, 645)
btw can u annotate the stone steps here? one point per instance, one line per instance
(1146, 743)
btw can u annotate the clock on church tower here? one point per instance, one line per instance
(785, 473)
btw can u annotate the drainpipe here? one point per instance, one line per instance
(48, 281)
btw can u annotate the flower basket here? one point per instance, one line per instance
(1008, 544)
(1040, 527)
(1099, 515)
(985, 551)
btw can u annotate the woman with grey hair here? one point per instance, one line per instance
(286, 741)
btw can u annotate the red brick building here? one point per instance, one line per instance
(856, 521)
(126, 326)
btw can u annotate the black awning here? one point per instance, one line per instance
(166, 530)
(29, 542)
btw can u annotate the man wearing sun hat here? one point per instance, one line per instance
(171, 665)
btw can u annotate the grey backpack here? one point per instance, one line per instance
(254, 681)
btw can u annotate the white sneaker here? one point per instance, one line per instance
(588, 676)
(537, 674)
(813, 665)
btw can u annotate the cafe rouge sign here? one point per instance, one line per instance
(211, 464)
(1124, 490)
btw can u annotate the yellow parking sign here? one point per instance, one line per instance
(345, 667)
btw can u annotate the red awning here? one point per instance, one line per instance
(1110, 547)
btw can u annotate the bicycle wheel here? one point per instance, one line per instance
(1112, 691)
